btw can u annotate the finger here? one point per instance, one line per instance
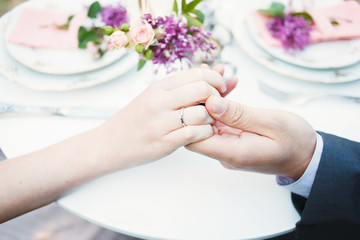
(226, 150)
(220, 128)
(219, 68)
(195, 75)
(230, 85)
(192, 116)
(204, 65)
(195, 115)
(239, 116)
(237, 151)
(191, 94)
(217, 147)
(189, 134)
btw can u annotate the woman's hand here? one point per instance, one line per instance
(147, 129)
(150, 128)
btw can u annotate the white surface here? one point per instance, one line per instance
(186, 196)
(183, 196)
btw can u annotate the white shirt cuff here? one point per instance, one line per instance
(303, 186)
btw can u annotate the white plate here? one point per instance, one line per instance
(53, 61)
(322, 55)
(242, 36)
(28, 78)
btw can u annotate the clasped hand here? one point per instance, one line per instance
(240, 137)
(149, 128)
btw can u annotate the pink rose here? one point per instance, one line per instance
(142, 33)
(119, 39)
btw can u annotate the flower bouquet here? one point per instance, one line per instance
(91, 36)
(161, 40)
(291, 28)
(297, 29)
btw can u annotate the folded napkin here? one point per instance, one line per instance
(37, 28)
(347, 14)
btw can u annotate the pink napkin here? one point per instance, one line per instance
(260, 22)
(347, 14)
(35, 28)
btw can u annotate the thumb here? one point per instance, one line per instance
(239, 116)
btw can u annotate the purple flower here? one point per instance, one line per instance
(114, 16)
(178, 42)
(292, 31)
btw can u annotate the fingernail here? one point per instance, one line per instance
(219, 105)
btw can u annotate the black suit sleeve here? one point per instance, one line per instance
(332, 210)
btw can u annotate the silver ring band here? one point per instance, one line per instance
(181, 116)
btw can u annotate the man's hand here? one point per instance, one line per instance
(259, 140)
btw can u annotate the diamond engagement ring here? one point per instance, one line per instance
(181, 116)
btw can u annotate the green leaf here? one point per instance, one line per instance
(141, 64)
(192, 5)
(101, 53)
(66, 25)
(85, 36)
(192, 21)
(276, 9)
(199, 15)
(334, 23)
(176, 7)
(183, 6)
(140, 48)
(69, 19)
(94, 9)
(81, 33)
(305, 15)
(149, 54)
(81, 30)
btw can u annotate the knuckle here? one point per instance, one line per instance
(203, 115)
(237, 115)
(278, 120)
(189, 134)
(190, 147)
(204, 88)
(199, 74)
(203, 85)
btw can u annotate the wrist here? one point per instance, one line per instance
(304, 157)
(303, 185)
(112, 146)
